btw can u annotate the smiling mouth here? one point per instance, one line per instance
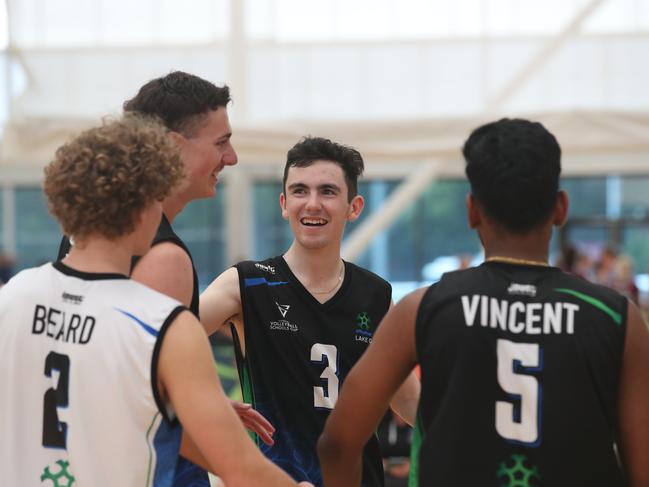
(313, 222)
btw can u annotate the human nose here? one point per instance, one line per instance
(313, 200)
(230, 156)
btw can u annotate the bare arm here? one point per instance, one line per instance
(406, 399)
(221, 301)
(362, 402)
(633, 400)
(168, 269)
(188, 378)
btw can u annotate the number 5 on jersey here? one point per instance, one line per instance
(519, 421)
(320, 353)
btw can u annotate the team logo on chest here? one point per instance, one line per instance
(283, 325)
(363, 332)
(283, 308)
(266, 268)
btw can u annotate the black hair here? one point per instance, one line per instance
(513, 166)
(312, 149)
(179, 99)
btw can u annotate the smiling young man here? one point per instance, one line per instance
(301, 320)
(195, 113)
(530, 376)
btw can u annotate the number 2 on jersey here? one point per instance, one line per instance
(55, 431)
(518, 421)
(320, 352)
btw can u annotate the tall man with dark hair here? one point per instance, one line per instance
(530, 376)
(96, 370)
(195, 113)
(301, 320)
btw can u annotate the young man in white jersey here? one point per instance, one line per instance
(530, 376)
(97, 371)
(302, 319)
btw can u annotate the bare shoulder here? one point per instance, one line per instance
(225, 286)
(221, 301)
(408, 306)
(166, 255)
(167, 268)
(226, 280)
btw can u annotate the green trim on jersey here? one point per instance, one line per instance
(417, 438)
(148, 473)
(248, 395)
(617, 317)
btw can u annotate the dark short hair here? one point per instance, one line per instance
(312, 149)
(179, 99)
(513, 166)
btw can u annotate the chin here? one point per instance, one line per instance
(208, 193)
(313, 244)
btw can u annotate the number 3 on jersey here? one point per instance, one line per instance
(518, 421)
(320, 353)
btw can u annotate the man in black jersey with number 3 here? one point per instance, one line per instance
(530, 376)
(303, 319)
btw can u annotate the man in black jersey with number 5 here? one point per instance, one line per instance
(303, 319)
(530, 376)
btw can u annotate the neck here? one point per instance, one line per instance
(172, 205)
(532, 246)
(516, 254)
(313, 263)
(100, 255)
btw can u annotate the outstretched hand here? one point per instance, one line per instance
(255, 422)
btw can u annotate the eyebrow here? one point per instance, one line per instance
(225, 137)
(331, 186)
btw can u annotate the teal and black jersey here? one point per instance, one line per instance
(298, 353)
(520, 370)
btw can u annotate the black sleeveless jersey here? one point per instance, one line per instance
(298, 353)
(164, 234)
(520, 371)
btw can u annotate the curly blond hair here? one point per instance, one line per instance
(100, 181)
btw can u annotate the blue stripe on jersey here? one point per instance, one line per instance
(190, 475)
(167, 445)
(363, 332)
(148, 328)
(256, 281)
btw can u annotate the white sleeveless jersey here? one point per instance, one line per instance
(79, 404)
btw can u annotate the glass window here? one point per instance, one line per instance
(635, 203)
(587, 196)
(634, 244)
(271, 233)
(377, 256)
(201, 226)
(37, 233)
